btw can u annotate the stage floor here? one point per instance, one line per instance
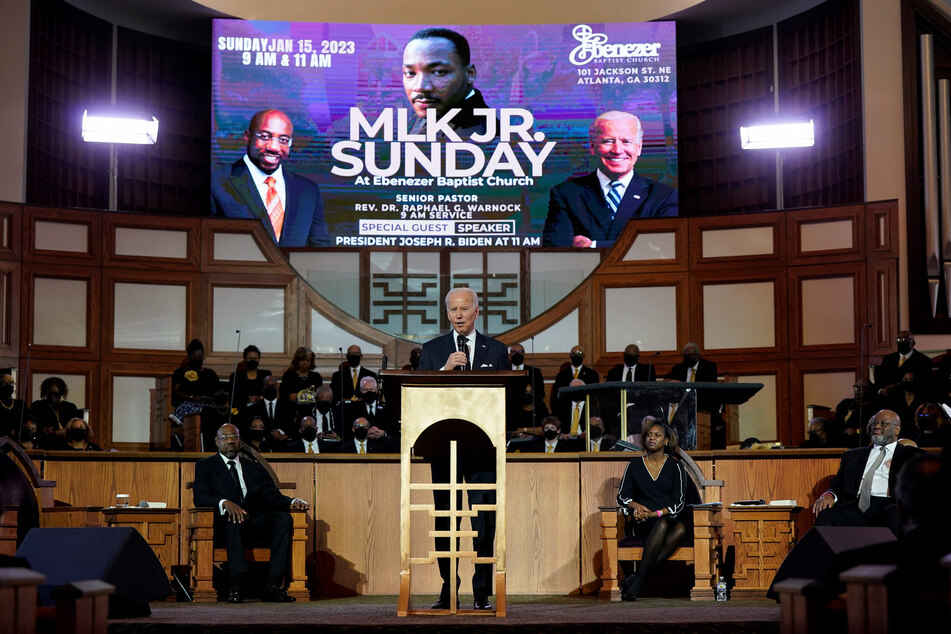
(527, 613)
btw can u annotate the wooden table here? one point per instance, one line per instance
(763, 536)
(159, 527)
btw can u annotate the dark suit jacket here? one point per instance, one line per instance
(235, 195)
(345, 391)
(888, 372)
(352, 410)
(297, 446)
(213, 483)
(706, 373)
(487, 354)
(565, 377)
(846, 482)
(283, 416)
(577, 208)
(642, 372)
(372, 447)
(563, 446)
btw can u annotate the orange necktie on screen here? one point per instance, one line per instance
(275, 211)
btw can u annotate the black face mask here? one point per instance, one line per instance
(353, 360)
(251, 365)
(195, 364)
(927, 423)
(815, 437)
(269, 393)
(576, 359)
(691, 360)
(27, 436)
(630, 360)
(257, 435)
(904, 347)
(322, 406)
(369, 397)
(596, 432)
(360, 433)
(551, 434)
(528, 399)
(518, 358)
(76, 434)
(6, 391)
(309, 434)
(908, 386)
(221, 400)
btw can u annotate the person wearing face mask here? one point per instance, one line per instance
(414, 356)
(248, 379)
(696, 369)
(574, 369)
(309, 440)
(77, 437)
(934, 426)
(345, 381)
(905, 401)
(528, 415)
(277, 414)
(52, 412)
(534, 376)
(325, 414)
(599, 440)
(861, 491)
(256, 436)
(369, 407)
(819, 434)
(360, 441)
(12, 410)
(575, 410)
(552, 440)
(894, 366)
(631, 369)
(193, 385)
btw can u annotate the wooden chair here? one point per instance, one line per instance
(204, 555)
(703, 552)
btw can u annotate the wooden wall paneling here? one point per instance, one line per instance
(614, 261)
(596, 353)
(194, 307)
(10, 294)
(855, 271)
(11, 231)
(600, 480)
(92, 220)
(88, 369)
(853, 214)
(276, 262)
(775, 221)
(795, 415)
(92, 277)
(699, 279)
(114, 221)
(735, 367)
(110, 370)
(882, 310)
(301, 470)
(88, 480)
(881, 229)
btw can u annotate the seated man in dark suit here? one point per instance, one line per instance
(258, 186)
(574, 370)
(630, 370)
(249, 507)
(861, 491)
(369, 407)
(696, 369)
(554, 441)
(311, 440)
(360, 442)
(346, 380)
(574, 411)
(592, 211)
(599, 440)
(278, 414)
(895, 365)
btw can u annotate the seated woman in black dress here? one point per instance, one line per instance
(653, 494)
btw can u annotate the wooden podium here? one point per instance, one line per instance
(469, 409)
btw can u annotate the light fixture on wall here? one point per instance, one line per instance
(110, 125)
(777, 134)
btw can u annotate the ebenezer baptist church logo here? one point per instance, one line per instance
(595, 46)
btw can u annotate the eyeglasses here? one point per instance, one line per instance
(267, 137)
(228, 437)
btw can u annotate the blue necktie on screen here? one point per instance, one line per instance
(614, 197)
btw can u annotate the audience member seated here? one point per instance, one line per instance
(634, 437)
(257, 436)
(215, 415)
(326, 414)
(933, 426)
(572, 412)
(529, 414)
(895, 365)
(860, 493)
(279, 415)
(360, 441)
(905, 399)
(553, 440)
(630, 370)
(300, 382)
(599, 440)
(574, 369)
(249, 507)
(695, 368)
(77, 437)
(28, 436)
(653, 494)
(851, 413)
(370, 408)
(248, 380)
(51, 413)
(820, 434)
(345, 381)
(193, 385)
(414, 356)
(535, 379)
(309, 439)
(13, 411)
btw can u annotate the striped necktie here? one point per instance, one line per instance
(275, 210)
(614, 197)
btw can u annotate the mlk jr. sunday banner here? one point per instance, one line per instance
(410, 146)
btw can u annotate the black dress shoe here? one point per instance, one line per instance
(482, 604)
(628, 596)
(440, 604)
(276, 594)
(235, 597)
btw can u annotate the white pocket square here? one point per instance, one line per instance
(486, 365)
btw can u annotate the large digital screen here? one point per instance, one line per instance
(394, 136)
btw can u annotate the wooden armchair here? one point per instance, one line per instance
(204, 554)
(704, 551)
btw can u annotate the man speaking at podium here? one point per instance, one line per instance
(462, 348)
